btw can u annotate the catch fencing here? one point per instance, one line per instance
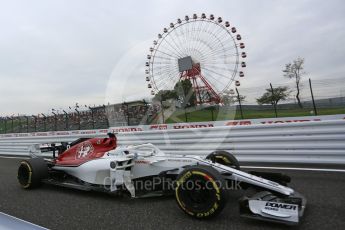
(293, 142)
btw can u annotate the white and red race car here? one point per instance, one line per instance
(200, 184)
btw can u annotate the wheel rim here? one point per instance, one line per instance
(200, 197)
(224, 160)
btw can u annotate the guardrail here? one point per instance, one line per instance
(303, 142)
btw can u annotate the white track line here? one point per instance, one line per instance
(16, 224)
(297, 169)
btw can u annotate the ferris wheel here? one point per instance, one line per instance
(204, 50)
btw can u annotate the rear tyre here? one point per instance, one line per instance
(31, 173)
(224, 158)
(200, 192)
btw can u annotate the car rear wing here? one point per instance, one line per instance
(47, 149)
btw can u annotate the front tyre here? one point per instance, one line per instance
(199, 192)
(31, 173)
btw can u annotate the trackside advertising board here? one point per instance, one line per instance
(208, 124)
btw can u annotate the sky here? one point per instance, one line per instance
(56, 53)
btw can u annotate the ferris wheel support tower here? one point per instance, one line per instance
(202, 89)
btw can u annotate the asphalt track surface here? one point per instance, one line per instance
(61, 208)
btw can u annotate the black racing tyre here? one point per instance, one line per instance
(200, 191)
(31, 172)
(224, 158)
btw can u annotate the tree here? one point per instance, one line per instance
(185, 93)
(279, 94)
(164, 95)
(295, 71)
(228, 99)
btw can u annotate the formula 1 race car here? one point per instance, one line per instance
(200, 184)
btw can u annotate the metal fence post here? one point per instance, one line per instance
(126, 112)
(35, 120)
(27, 123)
(146, 112)
(12, 125)
(212, 112)
(162, 110)
(66, 119)
(185, 114)
(44, 122)
(239, 102)
(78, 113)
(92, 117)
(274, 103)
(106, 116)
(20, 124)
(312, 97)
(5, 124)
(2, 124)
(55, 121)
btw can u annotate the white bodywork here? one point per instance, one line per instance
(148, 160)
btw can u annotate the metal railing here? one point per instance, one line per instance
(305, 142)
